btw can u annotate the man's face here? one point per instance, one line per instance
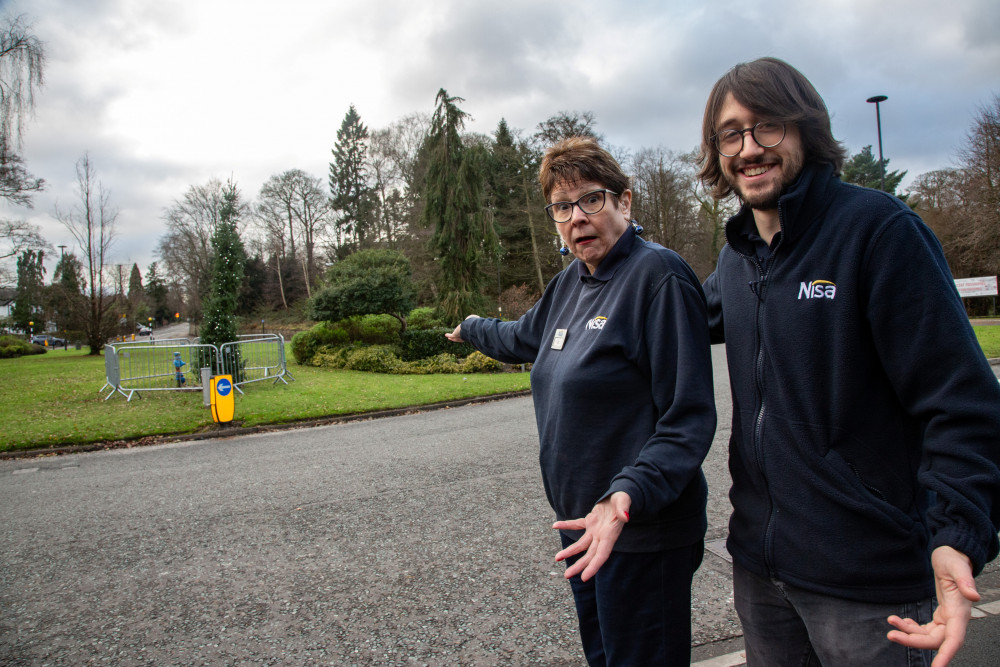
(759, 175)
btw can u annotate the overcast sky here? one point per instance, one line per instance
(166, 94)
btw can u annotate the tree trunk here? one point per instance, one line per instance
(531, 232)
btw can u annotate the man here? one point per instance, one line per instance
(866, 421)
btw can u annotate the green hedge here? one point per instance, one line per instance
(305, 343)
(372, 329)
(424, 343)
(11, 346)
(384, 359)
(423, 318)
(373, 343)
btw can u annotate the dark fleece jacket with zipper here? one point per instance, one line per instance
(622, 386)
(866, 419)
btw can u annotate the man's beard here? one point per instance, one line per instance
(766, 200)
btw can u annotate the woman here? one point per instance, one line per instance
(622, 387)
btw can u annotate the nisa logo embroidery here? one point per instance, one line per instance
(817, 289)
(597, 323)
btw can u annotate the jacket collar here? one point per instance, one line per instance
(616, 257)
(809, 196)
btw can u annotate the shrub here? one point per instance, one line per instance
(477, 362)
(439, 363)
(373, 359)
(373, 329)
(367, 281)
(423, 343)
(331, 357)
(11, 346)
(423, 318)
(306, 343)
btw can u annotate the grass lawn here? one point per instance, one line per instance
(53, 399)
(989, 339)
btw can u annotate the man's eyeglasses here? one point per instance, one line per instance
(590, 203)
(767, 134)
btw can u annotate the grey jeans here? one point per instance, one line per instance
(784, 626)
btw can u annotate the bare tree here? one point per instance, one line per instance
(939, 197)
(299, 202)
(962, 205)
(668, 204)
(22, 65)
(186, 248)
(16, 236)
(92, 223)
(980, 162)
(566, 124)
(394, 164)
(270, 222)
(391, 202)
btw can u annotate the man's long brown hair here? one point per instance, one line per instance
(773, 90)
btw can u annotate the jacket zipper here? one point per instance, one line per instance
(760, 289)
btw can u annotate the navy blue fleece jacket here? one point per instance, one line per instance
(627, 403)
(866, 420)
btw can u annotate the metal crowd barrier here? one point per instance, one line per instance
(149, 366)
(253, 359)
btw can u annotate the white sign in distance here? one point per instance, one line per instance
(985, 286)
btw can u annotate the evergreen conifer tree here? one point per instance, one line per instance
(349, 189)
(156, 294)
(463, 238)
(66, 294)
(28, 294)
(228, 262)
(863, 169)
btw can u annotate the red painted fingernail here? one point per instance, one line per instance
(626, 516)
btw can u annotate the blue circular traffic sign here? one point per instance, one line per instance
(223, 386)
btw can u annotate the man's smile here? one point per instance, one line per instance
(756, 170)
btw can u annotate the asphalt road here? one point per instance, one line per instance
(415, 540)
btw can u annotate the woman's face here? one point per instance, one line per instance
(591, 237)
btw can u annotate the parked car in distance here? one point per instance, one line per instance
(45, 339)
(143, 330)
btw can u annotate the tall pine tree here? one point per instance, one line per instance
(66, 294)
(463, 239)
(28, 307)
(863, 169)
(349, 189)
(156, 294)
(228, 262)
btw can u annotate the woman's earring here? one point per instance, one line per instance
(564, 250)
(638, 228)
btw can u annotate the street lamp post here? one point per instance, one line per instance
(876, 100)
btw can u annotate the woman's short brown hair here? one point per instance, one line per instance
(773, 90)
(579, 159)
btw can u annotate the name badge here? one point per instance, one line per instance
(559, 339)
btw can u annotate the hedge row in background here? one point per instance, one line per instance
(11, 346)
(385, 359)
(375, 343)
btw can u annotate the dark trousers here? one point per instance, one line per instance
(636, 611)
(784, 626)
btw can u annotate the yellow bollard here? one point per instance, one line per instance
(223, 396)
